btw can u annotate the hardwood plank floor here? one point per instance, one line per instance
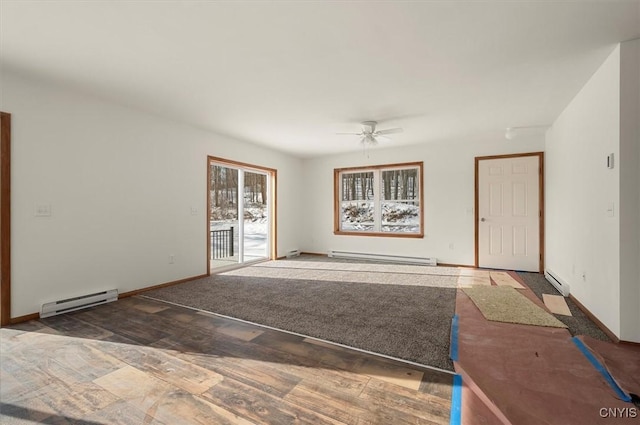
(142, 361)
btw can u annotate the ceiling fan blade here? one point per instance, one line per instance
(379, 138)
(389, 131)
(349, 134)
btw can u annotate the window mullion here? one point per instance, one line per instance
(377, 214)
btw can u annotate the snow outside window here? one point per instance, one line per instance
(383, 200)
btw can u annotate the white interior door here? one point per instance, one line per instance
(509, 213)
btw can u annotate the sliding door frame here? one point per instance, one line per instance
(5, 219)
(272, 175)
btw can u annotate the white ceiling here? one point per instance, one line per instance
(289, 75)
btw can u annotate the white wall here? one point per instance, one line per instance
(599, 254)
(121, 184)
(448, 191)
(630, 190)
(582, 241)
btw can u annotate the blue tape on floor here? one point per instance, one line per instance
(454, 339)
(456, 401)
(600, 368)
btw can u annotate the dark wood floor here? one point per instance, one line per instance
(140, 361)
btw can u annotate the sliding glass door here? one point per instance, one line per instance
(223, 215)
(255, 231)
(240, 213)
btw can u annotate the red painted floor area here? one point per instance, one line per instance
(621, 360)
(532, 375)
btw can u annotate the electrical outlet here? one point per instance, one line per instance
(43, 210)
(172, 258)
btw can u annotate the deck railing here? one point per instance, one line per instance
(221, 243)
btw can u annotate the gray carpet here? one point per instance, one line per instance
(579, 323)
(402, 321)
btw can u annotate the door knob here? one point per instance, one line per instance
(483, 219)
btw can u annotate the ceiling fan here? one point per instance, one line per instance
(370, 136)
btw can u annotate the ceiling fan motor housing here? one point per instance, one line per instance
(368, 127)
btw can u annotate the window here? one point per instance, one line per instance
(380, 200)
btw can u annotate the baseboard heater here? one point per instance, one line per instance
(294, 253)
(425, 261)
(77, 303)
(560, 285)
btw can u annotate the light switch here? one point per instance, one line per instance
(43, 210)
(610, 160)
(194, 211)
(611, 209)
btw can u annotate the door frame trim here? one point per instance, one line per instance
(540, 156)
(5, 219)
(273, 177)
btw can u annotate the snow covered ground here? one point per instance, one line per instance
(255, 232)
(396, 217)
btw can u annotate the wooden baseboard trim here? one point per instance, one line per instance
(25, 318)
(456, 265)
(631, 343)
(284, 257)
(162, 285)
(36, 316)
(595, 320)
